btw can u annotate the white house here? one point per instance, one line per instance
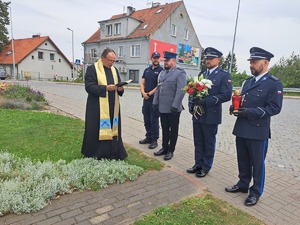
(36, 58)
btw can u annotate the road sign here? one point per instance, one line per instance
(77, 61)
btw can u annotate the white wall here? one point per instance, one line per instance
(45, 68)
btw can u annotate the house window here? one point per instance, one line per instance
(117, 28)
(32, 57)
(93, 53)
(186, 34)
(173, 29)
(135, 51)
(134, 76)
(59, 60)
(52, 57)
(108, 30)
(40, 55)
(120, 51)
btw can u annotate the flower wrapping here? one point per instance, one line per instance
(197, 89)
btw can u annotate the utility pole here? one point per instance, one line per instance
(72, 51)
(12, 45)
(232, 51)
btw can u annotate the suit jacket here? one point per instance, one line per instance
(169, 92)
(221, 91)
(262, 100)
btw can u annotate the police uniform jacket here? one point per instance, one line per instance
(169, 92)
(151, 76)
(221, 91)
(262, 100)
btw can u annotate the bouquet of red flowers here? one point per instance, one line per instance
(197, 89)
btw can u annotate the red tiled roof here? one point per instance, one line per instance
(94, 38)
(23, 47)
(148, 17)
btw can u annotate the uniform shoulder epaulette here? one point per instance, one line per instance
(274, 78)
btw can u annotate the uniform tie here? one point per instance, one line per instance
(207, 73)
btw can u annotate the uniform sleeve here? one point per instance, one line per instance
(224, 94)
(273, 103)
(91, 83)
(179, 95)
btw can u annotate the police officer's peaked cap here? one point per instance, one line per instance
(210, 53)
(155, 54)
(259, 53)
(169, 55)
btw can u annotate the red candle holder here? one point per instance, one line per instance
(236, 100)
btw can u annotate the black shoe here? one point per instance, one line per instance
(194, 169)
(161, 151)
(201, 173)
(235, 188)
(153, 144)
(251, 200)
(168, 156)
(145, 141)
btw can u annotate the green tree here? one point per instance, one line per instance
(225, 63)
(238, 78)
(288, 71)
(4, 21)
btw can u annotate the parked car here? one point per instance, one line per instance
(3, 74)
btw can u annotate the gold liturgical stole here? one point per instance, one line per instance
(107, 130)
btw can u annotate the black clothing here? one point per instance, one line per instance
(92, 146)
(169, 124)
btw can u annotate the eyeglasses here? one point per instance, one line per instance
(111, 61)
(156, 57)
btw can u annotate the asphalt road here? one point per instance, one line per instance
(284, 146)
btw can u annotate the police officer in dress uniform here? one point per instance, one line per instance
(205, 127)
(168, 99)
(262, 97)
(148, 88)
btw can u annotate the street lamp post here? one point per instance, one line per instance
(72, 51)
(12, 44)
(232, 51)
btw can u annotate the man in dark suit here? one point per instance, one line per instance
(205, 127)
(168, 100)
(262, 97)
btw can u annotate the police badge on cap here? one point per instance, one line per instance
(259, 53)
(210, 53)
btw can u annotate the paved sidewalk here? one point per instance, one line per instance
(123, 203)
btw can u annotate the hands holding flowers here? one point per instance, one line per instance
(197, 89)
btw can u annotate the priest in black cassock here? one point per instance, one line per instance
(102, 136)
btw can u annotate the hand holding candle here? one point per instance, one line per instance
(236, 100)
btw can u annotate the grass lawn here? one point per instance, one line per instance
(200, 210)
(45, 136)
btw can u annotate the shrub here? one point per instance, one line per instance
(27, 186)
(21, 97)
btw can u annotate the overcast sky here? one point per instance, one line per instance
(270, 24)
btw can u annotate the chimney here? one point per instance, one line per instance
(36, 35)
(130, 10)
(155, 4)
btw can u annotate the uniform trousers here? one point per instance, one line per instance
(251, 156)
(151, 117)
(205, 144)
(169, 124)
